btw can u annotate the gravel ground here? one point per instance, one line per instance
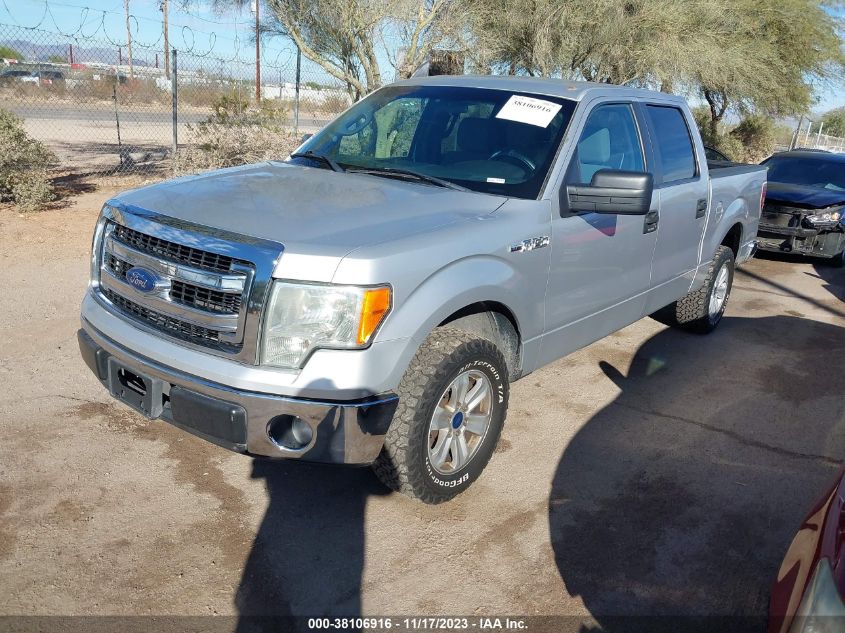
(652, 472)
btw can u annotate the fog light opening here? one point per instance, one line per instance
(290, 432)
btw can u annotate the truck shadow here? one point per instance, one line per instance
(681, 497)
(834, 278)
(308, 553)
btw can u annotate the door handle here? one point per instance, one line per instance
(651, 220)
(701, 208)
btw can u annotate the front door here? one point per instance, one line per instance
(600, 264)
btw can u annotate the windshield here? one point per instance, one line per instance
(823, 173)
(491, 141)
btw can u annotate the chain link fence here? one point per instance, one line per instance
(820, 141)
(104, 108)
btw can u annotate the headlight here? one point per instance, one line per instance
(302, 317)
(826, 217)
(821, 609)
(96, 249)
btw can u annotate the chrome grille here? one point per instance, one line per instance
(186, 293)
(203, 286)
(189, 296)
(186, 331)
(173, 251)
(199, 297)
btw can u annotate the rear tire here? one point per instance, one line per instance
(701, 311)
(452, 404)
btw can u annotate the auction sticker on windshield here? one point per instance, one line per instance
(529, 110)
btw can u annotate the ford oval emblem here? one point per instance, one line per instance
(141, 279)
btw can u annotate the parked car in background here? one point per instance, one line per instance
(49, 77)
(17, 74)
(808, 595)
(371, 299)
(804, 211)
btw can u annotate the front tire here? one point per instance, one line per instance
(701, 311)
(452, 405)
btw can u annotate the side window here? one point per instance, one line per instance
(610, 140)
(674, 145)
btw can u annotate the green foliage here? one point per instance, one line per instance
(234, 135)
(227, 108)
(24, 164)
(757, 135)
(741, 56)
(701, 114)
(752, 140)
(6, 52)
(834, 122)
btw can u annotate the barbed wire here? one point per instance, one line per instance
(91, 24)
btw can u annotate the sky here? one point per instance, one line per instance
(196, 29)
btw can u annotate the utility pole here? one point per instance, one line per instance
(166, 39)
(70, 54)
(296, 101)
(257, 54)
(128, 37)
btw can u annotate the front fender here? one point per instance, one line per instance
(471, 280)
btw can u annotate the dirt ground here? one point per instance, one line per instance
(653, 472)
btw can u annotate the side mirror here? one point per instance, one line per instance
(305, 137)
(613, 191)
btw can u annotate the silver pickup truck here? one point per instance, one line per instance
(370, 299)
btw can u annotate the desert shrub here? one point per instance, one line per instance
(233, 135)
(141, 91)
(24, 163)
(752, 140)
(731, 147)
(757, 135)
(701, 114)
(208, 94)
(336, 102)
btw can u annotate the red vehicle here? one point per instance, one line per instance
(809, 593)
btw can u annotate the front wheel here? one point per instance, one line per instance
(702, 310)
(452, 404)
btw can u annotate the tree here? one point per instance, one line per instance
(834, 122)
(738, 55)
(344, 37)
(6, 52)
(791, 46)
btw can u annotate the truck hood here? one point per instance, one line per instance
(311, 211)
(803, 196)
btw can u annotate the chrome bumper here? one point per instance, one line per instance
(342, 432)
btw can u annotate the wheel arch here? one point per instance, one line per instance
(733, 238)
(494, 321)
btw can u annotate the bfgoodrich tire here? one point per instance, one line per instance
(452, 404)
(702, 310)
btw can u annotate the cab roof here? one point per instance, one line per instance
(575, 90)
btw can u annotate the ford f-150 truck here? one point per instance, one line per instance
(370, 299)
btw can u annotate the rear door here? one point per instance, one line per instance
(682, 188)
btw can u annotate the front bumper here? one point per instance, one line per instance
(348, 432)
(801, 240)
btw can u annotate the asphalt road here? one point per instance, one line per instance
(103, 112)
(654, 472)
